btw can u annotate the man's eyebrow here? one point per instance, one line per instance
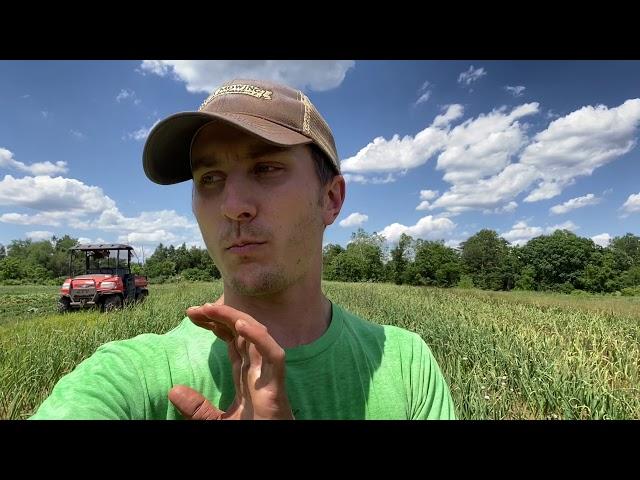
(210, 161)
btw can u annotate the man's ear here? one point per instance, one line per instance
(333, 199)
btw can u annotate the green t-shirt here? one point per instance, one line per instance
(355, 370)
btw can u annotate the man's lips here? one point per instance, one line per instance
(244, 248)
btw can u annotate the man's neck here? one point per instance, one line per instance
(297, 316)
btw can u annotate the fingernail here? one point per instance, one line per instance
(240, 324)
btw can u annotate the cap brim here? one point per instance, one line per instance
(165, 158)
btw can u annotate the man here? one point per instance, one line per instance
(266, 183)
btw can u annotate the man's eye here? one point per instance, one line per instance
(209, 179)
(266, 169)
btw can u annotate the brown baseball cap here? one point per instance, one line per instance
(278, 114)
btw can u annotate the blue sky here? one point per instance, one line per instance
(436, 149)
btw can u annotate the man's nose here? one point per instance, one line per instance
(237, 199)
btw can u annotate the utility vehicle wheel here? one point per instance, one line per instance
(112, 302)
(64, 305)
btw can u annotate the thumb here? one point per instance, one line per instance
(192, 405)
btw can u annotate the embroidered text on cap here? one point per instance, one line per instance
(243, 88)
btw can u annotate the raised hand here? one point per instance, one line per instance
(257, 363)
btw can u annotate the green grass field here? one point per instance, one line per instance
(515, 355)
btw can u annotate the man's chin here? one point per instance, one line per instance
(256, 283)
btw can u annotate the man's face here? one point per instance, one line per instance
(248, 191)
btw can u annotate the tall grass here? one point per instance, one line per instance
(36, 352)
(515, 359)
(503, 355)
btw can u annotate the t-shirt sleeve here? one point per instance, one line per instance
(105, 386)
(430, 395)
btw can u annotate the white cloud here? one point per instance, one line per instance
(124, 94)
(568, 225)
(46, 218)
(382, 155)
(488, 193)
(199, 243)
(471, 75)
(452, 113)
(142, 133)
(428, 194)
(39, 168)
(46, 168)
(480, 156)
(521, 233)
(475, 149)
(354, 220)
(128, 94)
(428, 227)
(146, 243)
(78, 135)
(602, 239)
(98, 240)
(53, 194)
(65, 201)
(159, 236)
(547, 190)
(424, 93)
(206, 75)
(348, 177)
(452, 212)
(484, 146)
(578, 202)
(453, 243)
(551, 114)
(558, 154)
(515, 91)
(578, 143)
(44, 113)
(508, 208)
(632, 204)
(112, 220)
(39, 235)
(423, 98)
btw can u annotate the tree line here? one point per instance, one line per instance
(561, 262)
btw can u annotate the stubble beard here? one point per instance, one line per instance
(274, 278)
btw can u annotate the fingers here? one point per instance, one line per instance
(236, 364)
(259, 336)
(241, 346)
(192, 405)
(257, 362)
(262, 372)
(222, 314)
(229, 322)
(221, 330)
